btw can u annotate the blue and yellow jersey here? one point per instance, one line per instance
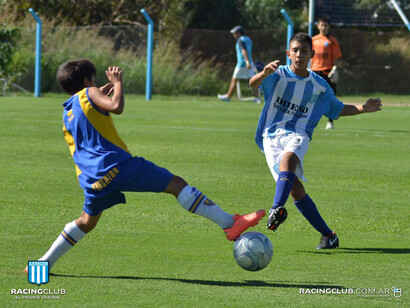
(93, 141)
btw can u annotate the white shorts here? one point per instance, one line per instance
(244, 72)
(275, 147)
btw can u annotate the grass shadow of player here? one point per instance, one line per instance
(362, 250)
(246, 283)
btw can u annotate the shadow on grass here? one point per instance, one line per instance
(362, 250)
(246, 283)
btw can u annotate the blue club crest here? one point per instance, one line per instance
(38, 272)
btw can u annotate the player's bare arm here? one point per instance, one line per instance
(100, 96)
(107, 89)
(371, 105)
(269, 69)
(245, 55)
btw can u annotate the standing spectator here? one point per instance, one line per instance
(245, 68)
(327, 53)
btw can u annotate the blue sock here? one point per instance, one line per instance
(283, 187)
(308, 209)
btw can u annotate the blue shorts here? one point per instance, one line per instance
(135, 174)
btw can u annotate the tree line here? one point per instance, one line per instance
(170, 16)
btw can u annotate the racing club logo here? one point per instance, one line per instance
(38, 272)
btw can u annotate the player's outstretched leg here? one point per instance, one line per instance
(242, 223)
(196, 202)
(69, 237)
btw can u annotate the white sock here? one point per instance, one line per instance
(196, 202)
(66, 240)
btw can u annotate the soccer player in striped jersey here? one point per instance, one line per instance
(295, 100)
(105, 167)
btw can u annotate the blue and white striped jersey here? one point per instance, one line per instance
(294, 104)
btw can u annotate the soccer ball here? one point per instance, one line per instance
(253, 251)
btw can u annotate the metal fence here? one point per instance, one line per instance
(371, 62)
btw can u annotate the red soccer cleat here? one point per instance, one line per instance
(243, 222)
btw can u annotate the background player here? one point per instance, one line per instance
(105, 166)
(295, 100)
(327, 53)
(245, 68)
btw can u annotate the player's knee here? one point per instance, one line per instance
(289, 162)
(86, 223)
(175, 186)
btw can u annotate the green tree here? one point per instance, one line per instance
(265, 14)
(214, 14)
(8, 45)
(251, 14)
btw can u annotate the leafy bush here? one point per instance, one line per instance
(173, 72)
(8, 45)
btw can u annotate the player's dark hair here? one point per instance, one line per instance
(71, 74)
(302, 37)
(324, 19)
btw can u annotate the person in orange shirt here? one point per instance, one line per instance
(327, 53)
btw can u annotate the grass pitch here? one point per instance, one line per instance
(150, 252)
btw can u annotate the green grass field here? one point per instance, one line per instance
(150, 252)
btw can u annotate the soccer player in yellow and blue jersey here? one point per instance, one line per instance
(105, 167)
(295, 100)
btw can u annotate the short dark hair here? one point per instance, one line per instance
(324, 19)
(303, 38)
(71, 74)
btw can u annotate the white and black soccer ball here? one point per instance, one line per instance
(253, 251)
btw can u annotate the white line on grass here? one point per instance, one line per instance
(30, 120)
(137, 126)
(376, 133)
(340, 131)
(190, 127)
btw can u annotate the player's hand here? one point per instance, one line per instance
(114, 74)
(107, 89)
(372, 105)
(270, 68)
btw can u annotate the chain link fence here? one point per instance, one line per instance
(372, 61)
